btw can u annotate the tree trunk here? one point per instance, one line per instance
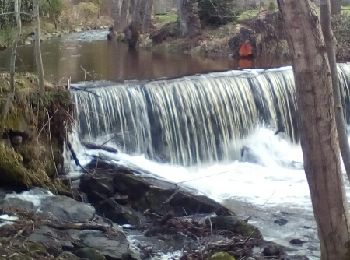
(137, 12)
(317, 126)
(325, 16)
(335, 7)
(188, 17)
(10, 97)
(38, 59)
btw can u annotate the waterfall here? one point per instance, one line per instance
(192, 119)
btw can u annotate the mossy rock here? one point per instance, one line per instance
(222, 256)
(12, 170)
(44, 117)
(14, 173)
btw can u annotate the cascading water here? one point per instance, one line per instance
(201, 119)
(192, 119)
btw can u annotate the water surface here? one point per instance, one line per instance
(89, 56)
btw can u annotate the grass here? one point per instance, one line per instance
(248, 14)
(166, 18)
(345, 10)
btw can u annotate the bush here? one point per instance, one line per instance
(341, 27)
(217, 12)
(272, 7)
(88, 10)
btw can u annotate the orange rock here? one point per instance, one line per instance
(246, 50)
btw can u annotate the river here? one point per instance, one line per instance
(89, 56)
(180, 130)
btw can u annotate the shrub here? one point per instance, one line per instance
(272, 7)
(88, 10)
(217, 12)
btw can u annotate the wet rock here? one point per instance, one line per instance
(297, 242)
(66, 255)
(163, 211)
(113, 246)
(273, 250)
(17, 203)
(247, 155)
(140, 193)
(51, 239)
(67, 209)
(281, 221)
(90, 254)
(118, 213)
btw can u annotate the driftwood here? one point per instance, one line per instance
(75, 158)
(83, 89)
(78, 226)
(93, 146)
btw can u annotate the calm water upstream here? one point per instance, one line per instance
(89, 56)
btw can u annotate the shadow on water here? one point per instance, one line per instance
(89, 58)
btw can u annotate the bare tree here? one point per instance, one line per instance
(188, 17)
(335, 7)
(38, 58)
(319, 139)
(11, 96)
(325, 18)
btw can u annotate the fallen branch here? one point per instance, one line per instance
(78, 226)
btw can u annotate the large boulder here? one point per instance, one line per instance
(57, 226)
(265, 33)
(129, 195)
(169, 30)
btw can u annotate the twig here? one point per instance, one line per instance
(52, 154)
(47, 122)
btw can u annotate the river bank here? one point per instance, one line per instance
(134, 216)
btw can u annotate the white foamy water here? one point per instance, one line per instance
(275, 178)
(273, 186)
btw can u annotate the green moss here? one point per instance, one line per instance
(165, 18)
(248, 14)
(345, 10)
(44, 117)
(12, 170)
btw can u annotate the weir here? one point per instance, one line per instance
(193, 119)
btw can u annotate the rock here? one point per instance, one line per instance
(247, 155)
(115, 246)
(273, 250)
(244, 35)
(67, 256)
(89, 253)
(67, 209)
(50, 239)
(281, 221)
(222, 256)
(118, 213)
(265, 33)
(297, 242)
(168, 30)
(17, 203)
(142, 193)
